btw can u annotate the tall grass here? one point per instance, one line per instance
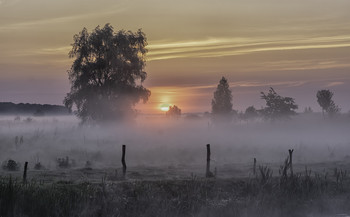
(300, 194)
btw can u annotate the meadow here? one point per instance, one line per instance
(76, 170)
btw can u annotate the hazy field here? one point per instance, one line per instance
(158, 142)
(172, 153)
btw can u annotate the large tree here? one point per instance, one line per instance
(324, 99)
(222, 101)
(278, 107)
(107, 74)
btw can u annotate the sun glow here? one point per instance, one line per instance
(164, 107)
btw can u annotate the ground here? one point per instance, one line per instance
(80, 171)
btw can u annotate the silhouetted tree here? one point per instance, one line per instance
(324, 99)
(250, 113)
(173, 111)
(277, 107)
(222, 101)
(107, 74)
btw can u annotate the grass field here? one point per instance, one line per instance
(80, 171)
(303, 194)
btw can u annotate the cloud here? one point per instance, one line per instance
(240, 84)
(311, 64)
(221, 47)
(335, 83)
(57, 20)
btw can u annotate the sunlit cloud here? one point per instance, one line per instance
(213, 48)
(44, 51)
(48, 56)
(293, 65)
(57, 20)
(221, 47)
(335, 83)
(240, 84)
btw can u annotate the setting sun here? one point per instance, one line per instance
(164, 107)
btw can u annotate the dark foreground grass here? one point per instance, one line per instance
(264, 195)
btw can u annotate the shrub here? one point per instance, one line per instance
(10, 165)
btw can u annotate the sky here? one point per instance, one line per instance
(296, 47)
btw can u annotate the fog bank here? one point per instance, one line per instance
(157, 141)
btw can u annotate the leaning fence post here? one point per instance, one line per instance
(291, 161)
(25, 172)
(123, 160)
(207, 173)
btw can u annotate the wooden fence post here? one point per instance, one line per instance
(291, 161)
(123, 160)
(208, 173)
(25, 172)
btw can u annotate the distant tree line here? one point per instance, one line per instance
(277, 107)
(9, 108)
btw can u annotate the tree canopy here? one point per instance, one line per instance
(278, 107)
(221, 104)
(324, 99)
(173, 111)
(250, 113)
(222, 101)
(107, 74)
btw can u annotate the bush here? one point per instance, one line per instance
(10, 165)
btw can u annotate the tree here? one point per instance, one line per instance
(250, 113)
(107, 74)
(278, 107)
(324, 99)
(173, 111)
(222, 101)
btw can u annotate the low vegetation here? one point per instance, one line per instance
(10, 165)
(302, 194)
